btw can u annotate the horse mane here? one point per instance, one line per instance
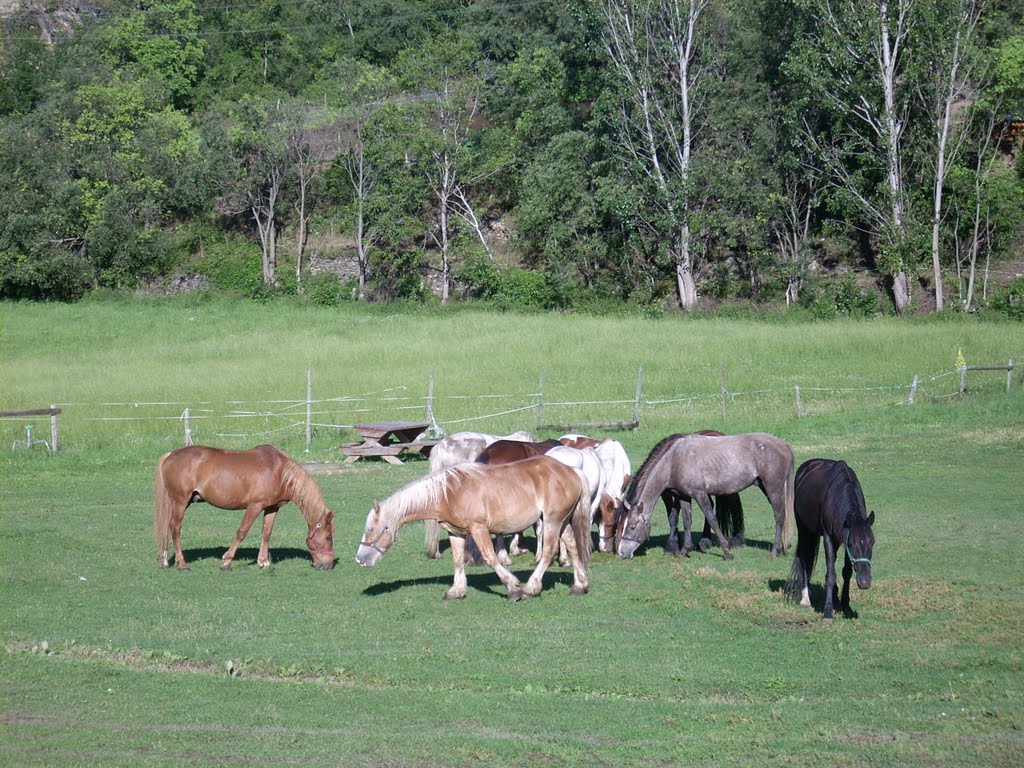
(656, 454)
(305, 492)
(426, 491)
(845, 495)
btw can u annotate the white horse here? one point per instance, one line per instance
(587, 461)
(617, 472)
(459, 448)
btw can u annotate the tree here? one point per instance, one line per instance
(856, 58)
(653, 47)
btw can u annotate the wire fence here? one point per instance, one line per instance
(334, 418)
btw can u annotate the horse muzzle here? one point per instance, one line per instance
(367, 557)
(627, 548)
(324, 565)
(863, 579)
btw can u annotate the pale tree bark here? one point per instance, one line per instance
(309, 149)
(955, 76)
(363, 179)
(653, 46)
(263, 207)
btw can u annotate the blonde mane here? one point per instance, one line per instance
(305, 493)
(426, 493)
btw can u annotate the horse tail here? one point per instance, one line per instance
(789, 520)
(803, 563)
(162, 515)
(580, 521)
(431, 538)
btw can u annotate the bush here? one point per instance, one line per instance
(324, 289)
(839, 297)
(1009, 300)
(233, 265)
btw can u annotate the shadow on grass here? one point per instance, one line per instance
(817, 594)
(657, 545)
(486, 582)
(246, 555)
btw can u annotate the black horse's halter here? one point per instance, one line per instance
(849, 553)
(373, 544)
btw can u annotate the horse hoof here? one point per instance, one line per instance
(225, 567)
(576, 590)
(450, 596)
(184, 568)
(728, 555)
(515, 595)
(705, 545)
(826, 619)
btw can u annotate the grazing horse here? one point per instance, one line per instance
(829, 505)
(587, 462)
(728, 511)
(506, 451)
(617, 471)
(262, 479)
(695, 467)
(476, 500)
(459, 448)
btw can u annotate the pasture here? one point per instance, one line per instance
(111, 661)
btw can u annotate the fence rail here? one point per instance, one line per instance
(496, 412)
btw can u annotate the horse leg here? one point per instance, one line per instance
(672, 510)
(548, 536)
(501, 549)
(457, 591)
(177, 517)
(705, 543)
(482, 537)
(830, 577)
(803, 563)
(243, 530)
(687, 523)
(709, 515)
(580, 578)
(778, 502)
(844, 602)
(263, 558)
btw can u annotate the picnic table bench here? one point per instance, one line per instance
(387, 440)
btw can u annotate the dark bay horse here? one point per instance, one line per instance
(476, 500)
(261, 479)
(829, 505)
(506, 451)
(696, 467)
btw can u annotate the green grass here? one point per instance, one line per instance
(112, 661)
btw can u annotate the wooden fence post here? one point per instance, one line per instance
(1009, 374)
(799, 406)
(539, 410)
(636, 402)
(963, 379)
(913, 391)
(187, 418)
(309, 408)
(430, 400)
(721, 380)
(53, 427)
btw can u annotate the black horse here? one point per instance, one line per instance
(829, 504)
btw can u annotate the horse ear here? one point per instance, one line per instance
(330, 516)
(871, 518)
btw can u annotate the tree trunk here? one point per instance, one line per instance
(686, 287)
(901, 291)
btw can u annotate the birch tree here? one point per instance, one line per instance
(653, 45)
(856, 58)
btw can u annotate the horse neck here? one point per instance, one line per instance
(419, 500)
(643, 485)
(845, 504)
(305, 493)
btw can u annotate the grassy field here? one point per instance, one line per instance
(112, 661)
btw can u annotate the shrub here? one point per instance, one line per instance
(1009, 300)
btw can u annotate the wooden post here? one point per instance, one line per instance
(799, 405)
(963, 379)
(721, 379)
(309, 408)
(53, 427)
(636, 402)
(539, 410)
(1009, 375)
(430, 400)
(913, 391)
(186, 417)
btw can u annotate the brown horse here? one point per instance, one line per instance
(696, 467)
(506, 451)
(478, 500)
(262, 479)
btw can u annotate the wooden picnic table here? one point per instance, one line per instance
(388, 439)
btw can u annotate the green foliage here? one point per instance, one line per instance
(324, 289)
(1009, 300)
(232, 265)
(839, 297)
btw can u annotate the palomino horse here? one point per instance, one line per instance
(476, 500)
(262, 479)
(455, 449)
(829, 505)
(695, 467)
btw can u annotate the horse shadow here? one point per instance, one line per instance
(486, 582)
(817, 595)
(247, 555)
(659, 545)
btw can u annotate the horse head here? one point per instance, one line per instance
(377, 539)
(635, 527)
(860, 540)
(321, 542)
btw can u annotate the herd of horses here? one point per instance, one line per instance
(481, 486)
